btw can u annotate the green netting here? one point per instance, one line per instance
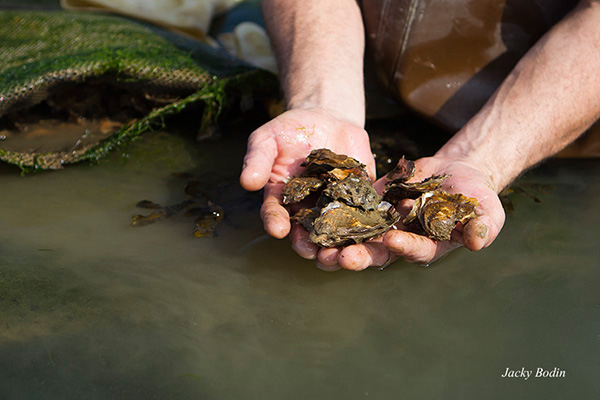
(41, 51)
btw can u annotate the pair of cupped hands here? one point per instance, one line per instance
(276, 150)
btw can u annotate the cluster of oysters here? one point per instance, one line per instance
(348, 210)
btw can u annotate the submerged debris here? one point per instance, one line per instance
(206, 214)
(520, 189)
(206, 219)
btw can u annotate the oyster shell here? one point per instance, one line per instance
(397, 188)
(324, 160)
(396, 191)
(354, 191)
(439, 212)
(348, 210)
(300, 187)
(403, 171)
(339, 224)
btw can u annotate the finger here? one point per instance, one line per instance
(258, 162)
(275, 217)
(358, 257)
(328, 255)
(379, 185)
(301, 243)
(404, 206)
(416, 248)
(480, 233)
(327, 259)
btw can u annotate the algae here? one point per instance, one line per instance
(42, 50)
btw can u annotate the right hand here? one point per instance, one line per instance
(275, 152)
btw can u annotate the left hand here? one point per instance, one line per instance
(478, 233)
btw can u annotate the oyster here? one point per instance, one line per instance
(323, 160)
(354, 191)
(439, 212)
(397, 188)
(339, 224)
(348, 209)
(300, 187)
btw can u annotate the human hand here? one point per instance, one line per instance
(478, 233)
(275, 152)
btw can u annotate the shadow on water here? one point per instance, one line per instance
(91, 307)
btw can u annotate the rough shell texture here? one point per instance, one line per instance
(348, 210)
(398, 189)
(355, 192)
(300, 187)
(342, 225)
(324, 160)
(439, 212)
(403, 171)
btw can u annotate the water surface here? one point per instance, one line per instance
(93, 308)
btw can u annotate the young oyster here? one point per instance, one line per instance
(439, 212)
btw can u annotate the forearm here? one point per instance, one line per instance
(548, 100)
(319, 45)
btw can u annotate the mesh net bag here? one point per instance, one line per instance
(83, 67)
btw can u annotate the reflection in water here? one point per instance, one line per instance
(91, 307)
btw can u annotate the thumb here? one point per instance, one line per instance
(480, 232)
(258, 162)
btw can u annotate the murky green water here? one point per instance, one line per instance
(93, 308)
